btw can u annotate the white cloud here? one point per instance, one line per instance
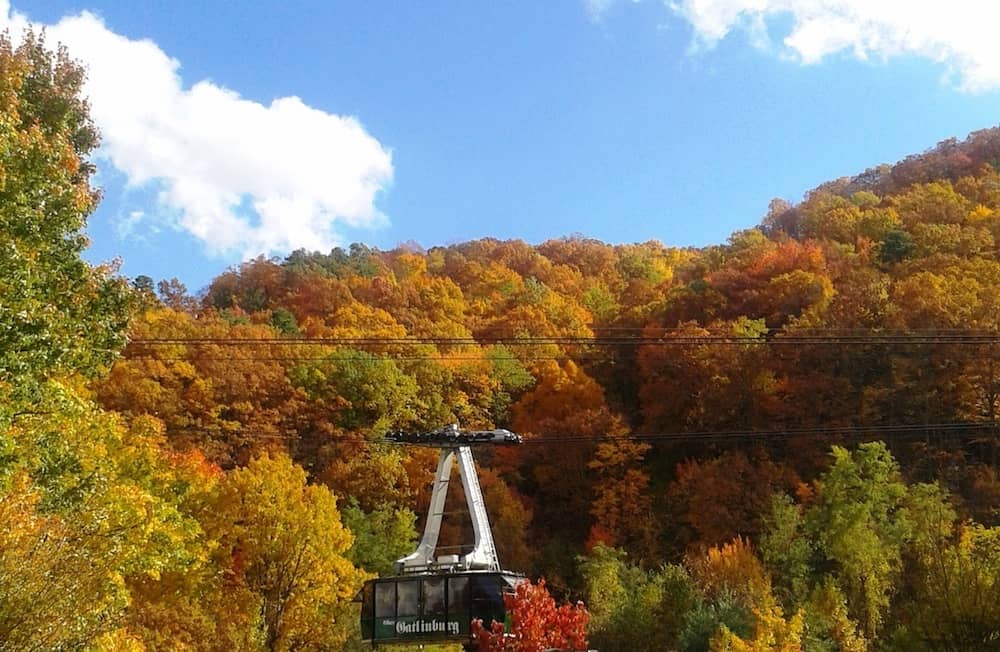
(597, 8)
(128, 223)
(960, 34)
(240, 176)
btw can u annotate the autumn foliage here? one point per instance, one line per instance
(703, 464)
(536, 623)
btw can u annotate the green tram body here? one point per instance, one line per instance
(433, 607)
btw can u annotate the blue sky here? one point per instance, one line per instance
(440, 122)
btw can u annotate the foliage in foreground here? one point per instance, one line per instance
(536, 623)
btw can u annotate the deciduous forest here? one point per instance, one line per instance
(784, 442)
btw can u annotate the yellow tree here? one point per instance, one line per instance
(734, 571)
(956, 605)
(282, 539)
(51, 594)
(772, 633)
(221, 398)
(91, 508)
(622, 506)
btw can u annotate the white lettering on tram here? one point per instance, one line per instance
(428, 627)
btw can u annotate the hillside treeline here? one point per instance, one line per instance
(784, 442)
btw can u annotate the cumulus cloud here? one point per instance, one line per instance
(240, 176)
(959, 34)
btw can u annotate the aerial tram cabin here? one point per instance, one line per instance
(435, 598)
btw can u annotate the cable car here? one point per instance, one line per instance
(432, 607)
(435, 598)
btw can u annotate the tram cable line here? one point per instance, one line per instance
(954, 430)
(581, 349)
(666, 338)
(349, 358)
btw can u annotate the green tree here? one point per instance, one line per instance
(955, 604)
(381, 536)
(634, 609)
(828, 627)
(860, 522)
(896, 246)
(786, 550)
(705, 620)
(57, 313)
(91, 505)
(369, 393)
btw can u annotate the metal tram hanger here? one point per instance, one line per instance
(435, 597)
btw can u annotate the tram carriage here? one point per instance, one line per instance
(432, 606)
(435, 598)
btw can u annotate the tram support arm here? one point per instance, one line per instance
(484, 552)
(424, 554)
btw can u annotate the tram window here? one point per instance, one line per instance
(408, 598)
(385, 600)
(367, 602)
(458, 594)
(434, 596)
(486, 596)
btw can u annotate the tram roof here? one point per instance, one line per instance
(453, 436)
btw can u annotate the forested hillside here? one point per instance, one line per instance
(787, 441)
